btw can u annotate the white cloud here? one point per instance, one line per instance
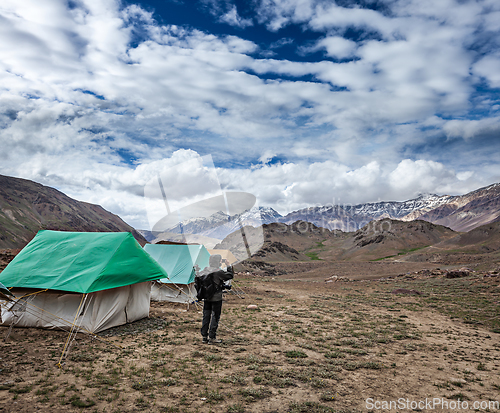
(285, 187)
(290, 186)
(267, 156)
(189, 79)
(279, 13)
(469, 129)
(232, 18)
(337, 46)
(418, 175)
(330, 15)
(489, 68)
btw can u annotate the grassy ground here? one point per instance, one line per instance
(310, 347)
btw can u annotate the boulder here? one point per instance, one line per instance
(457, 274)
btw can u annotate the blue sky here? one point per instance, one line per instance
(299, 102)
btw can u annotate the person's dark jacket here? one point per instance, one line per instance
(219, 277)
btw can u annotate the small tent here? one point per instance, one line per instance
(90, 280)
(178, 261)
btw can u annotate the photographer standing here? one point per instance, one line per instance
(212, 307)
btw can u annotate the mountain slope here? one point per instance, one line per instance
(303, 241)
(27, 207)
(460, 213)
(466, 212)
(349, 218)
(483, 239)
(388, 238)
(281, 242)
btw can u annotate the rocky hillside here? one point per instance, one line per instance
(281, 242)
(27, 207)
(466, 212)
(388, 238)
(303, 241)
(483, 239)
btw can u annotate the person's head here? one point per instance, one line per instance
(215, 260)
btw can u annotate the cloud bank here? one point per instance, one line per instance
(97, 96)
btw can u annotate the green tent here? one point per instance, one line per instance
(82, 262)
(178, 261)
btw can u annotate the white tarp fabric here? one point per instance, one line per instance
(174, 293)
(99, 311)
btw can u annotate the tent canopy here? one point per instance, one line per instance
(178, 261)
(82, 262)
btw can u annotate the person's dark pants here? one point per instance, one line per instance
(211, 317)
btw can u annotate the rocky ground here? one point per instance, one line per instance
(311, 346)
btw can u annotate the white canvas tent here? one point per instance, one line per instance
(179, 262)
(98, 311)
(87, 281)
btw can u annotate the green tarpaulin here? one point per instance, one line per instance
(179, 260)
(81, 262)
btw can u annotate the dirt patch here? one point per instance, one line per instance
(146, 325)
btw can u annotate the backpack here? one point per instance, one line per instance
(205, 285)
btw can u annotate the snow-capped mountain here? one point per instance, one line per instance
(220, 224)
(353, 217)
(422, 203)
(469, 211)
(460, 213)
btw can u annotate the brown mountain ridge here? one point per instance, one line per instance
(469, 211)
(303, 241)
(381, 248)
(27, 207)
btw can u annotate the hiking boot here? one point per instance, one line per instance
(214, 341)
(205, 340)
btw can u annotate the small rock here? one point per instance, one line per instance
(457, 274)
(455, 380)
